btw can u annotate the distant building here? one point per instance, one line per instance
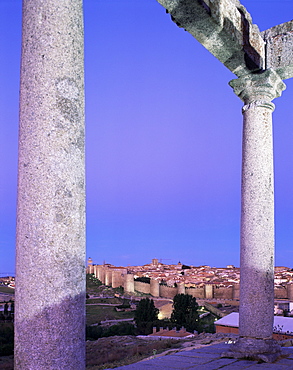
(171, 334)
(283, 326)
(155, 262)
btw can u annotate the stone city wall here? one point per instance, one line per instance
(213, 309)
(155, 288)
(181, 288)
(101, 276)
(223, 292)
(290, 291)
(281, 292)
(141, 287)
(167, 292)
(224, 302)
(129, 283)
(236, 292)
(99, 271)
(196, 292)
(209, 291)
(108, 277)
(116, 277)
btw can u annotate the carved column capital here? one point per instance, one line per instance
(258, 89)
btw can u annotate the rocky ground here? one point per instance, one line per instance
(117, 351)
(112, 352)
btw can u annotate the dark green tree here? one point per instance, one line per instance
(123, 328)
(143, 279)
(145, 315)
(185, 312)
(94, 332)
(6, 309)
(12, 308)
(6, 339)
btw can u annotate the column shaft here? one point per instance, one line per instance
(256, 312)
(50, 251)
(257, 225)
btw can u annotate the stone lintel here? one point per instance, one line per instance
(279, 46)
(260, 88)
(225, 28)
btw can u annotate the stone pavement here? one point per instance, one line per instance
(209, 358)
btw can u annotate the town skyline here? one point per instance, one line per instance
(203, 282)
(162, 261)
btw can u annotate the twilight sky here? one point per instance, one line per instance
(163, 139)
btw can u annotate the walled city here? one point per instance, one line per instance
(202, 282)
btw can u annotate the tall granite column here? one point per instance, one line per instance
(257, 216)
(50, 252)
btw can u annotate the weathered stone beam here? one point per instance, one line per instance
(279, 47)
(225, 28)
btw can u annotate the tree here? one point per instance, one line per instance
(6, 309)
(12, 308)
(143, 279)
(6, 339)
(185, 312)
(145, 315)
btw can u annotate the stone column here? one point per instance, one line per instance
(257, 216)
(50, 250)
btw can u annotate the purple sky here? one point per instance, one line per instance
(163, 139)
